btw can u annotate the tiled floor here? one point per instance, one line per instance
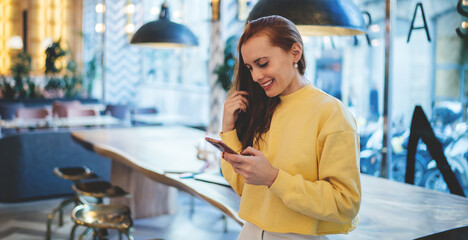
(27, 221)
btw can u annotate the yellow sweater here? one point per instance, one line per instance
(314, 143)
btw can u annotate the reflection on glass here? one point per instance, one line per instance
(431, 74)
(448, 84)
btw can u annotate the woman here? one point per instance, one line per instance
(297, 174)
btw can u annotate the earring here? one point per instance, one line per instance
(295, 65)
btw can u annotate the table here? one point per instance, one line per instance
(164, 119)
(81, 121)
(394, 210)
(159, 153)
(389, 210)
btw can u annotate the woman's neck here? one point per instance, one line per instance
(298, 83)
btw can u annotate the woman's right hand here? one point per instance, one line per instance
(237, 101)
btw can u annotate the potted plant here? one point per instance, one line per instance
(62, 81)
(226, 70)
(55, 85)
(7, 89)
(22, 86)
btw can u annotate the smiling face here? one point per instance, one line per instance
(272, 67)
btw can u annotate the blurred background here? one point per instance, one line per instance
(63, 49)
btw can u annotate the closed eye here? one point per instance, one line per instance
(263, 65)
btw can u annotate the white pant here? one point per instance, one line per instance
(252, 232)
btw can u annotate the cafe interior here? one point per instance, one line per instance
(105, 106)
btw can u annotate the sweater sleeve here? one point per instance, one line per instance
(335, 196)
(235, 180)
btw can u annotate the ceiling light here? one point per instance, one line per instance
(100, 8)
(15, 42)
(100, 28)
(130, 8)
(164, 33)
(130, 28)
(374, 28)
(315, 17)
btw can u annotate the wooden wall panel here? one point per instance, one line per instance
(45, 19)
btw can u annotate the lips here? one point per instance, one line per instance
(267, 85)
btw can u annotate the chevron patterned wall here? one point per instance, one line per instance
(221, 30)
(90, 41)
(121, 61)
(230, 24)
(128, 69)
(216, 92)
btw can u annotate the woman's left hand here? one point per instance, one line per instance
(253, 166)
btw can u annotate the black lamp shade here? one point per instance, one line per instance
(163, 33)
(315, 17)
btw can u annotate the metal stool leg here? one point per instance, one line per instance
(127, 233)
(85, 233)
(51, 215)
(72, 232)
(60, 217)
(76, 200)
(102, 233)
(192, 205)
(225, 223)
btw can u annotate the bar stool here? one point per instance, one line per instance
(98, 190)
(100, 217)
(85, 186)
(74, 174)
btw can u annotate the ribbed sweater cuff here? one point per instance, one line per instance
(230, 138)
(228, 135)
(282, 183)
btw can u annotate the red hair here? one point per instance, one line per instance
(282, 33)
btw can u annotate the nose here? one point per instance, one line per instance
(257, 75)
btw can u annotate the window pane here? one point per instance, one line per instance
(448, 84)
(466, 85)
(427, 73)
(424, 72)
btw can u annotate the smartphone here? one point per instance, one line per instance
(223, 147)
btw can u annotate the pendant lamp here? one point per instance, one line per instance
(315, 17)
(15, 42)
(163, 33)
